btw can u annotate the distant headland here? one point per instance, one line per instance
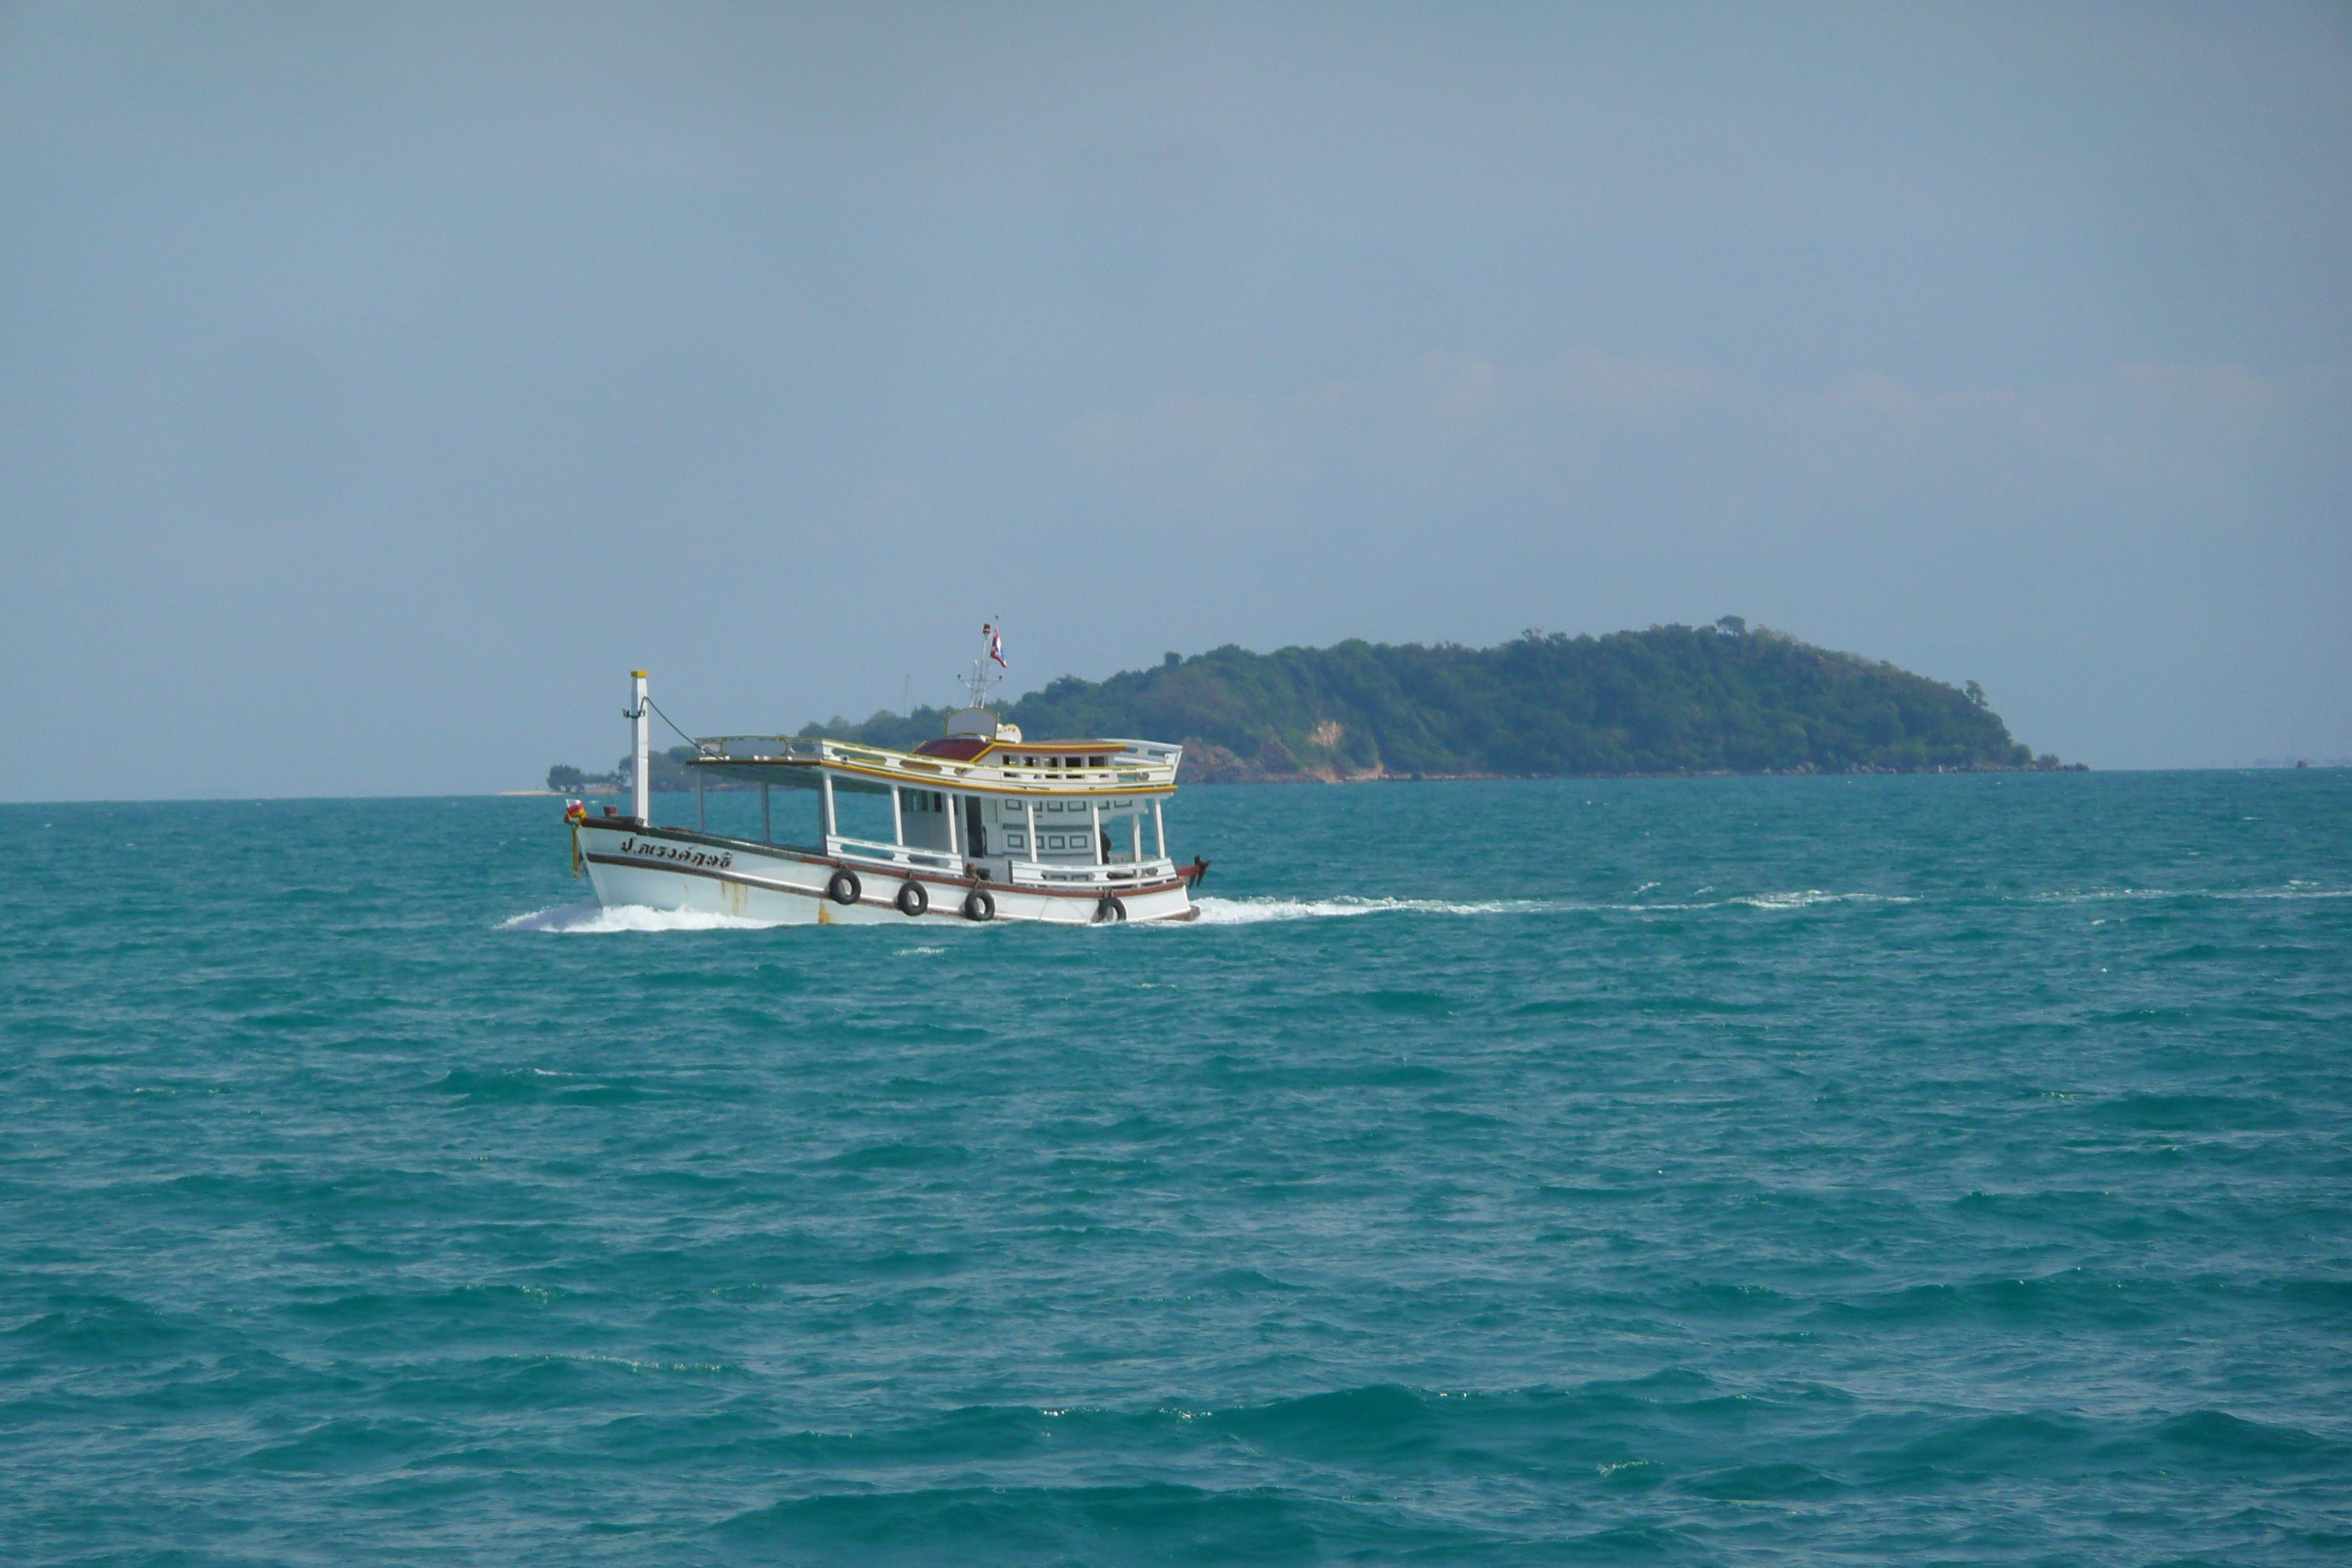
(1722, 698)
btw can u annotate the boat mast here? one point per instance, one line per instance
(979, 682)
(640, 773)
(982, 679)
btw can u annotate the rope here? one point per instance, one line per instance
(681, 734)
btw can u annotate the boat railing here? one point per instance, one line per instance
(1145, 762)
(874, 852)
(1112, 877)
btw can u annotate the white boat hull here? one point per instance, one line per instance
(676, 869)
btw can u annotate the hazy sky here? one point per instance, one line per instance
(378, 386)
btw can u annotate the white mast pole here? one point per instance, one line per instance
(640, 773)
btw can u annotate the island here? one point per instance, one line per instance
(1670, 700)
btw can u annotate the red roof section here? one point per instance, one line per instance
(955, 747)
(964, 747)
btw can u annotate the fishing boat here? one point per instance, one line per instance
(984, 825)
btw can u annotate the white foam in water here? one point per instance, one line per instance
(590, 918)
(1252, 911)
(2294, 890)
(596, 920)
(1812, 895)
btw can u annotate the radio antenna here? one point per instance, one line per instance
(983, 678)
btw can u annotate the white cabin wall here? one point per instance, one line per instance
(1008, 831)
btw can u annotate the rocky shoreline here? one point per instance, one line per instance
(1215, 764)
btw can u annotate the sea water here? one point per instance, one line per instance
(1699, 1171)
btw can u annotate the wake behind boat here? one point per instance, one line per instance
(985, 825)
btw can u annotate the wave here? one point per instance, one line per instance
(1812, 895)
(2293, 891)
(1253, 911)
(592, 919)
(596, 920)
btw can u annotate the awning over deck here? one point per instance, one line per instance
(1102, 767)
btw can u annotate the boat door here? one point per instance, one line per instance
(976, 836)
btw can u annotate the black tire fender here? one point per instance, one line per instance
(1110, 909)
(912, 900)
(845, 888)
(980, 904)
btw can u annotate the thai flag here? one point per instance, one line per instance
(995, 646)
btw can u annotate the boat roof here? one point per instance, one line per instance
(969, 748)
(972, 764)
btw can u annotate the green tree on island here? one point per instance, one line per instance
(1671, 699)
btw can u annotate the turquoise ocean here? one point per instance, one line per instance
(1944, 1168)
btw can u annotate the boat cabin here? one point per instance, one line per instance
(979, 801)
